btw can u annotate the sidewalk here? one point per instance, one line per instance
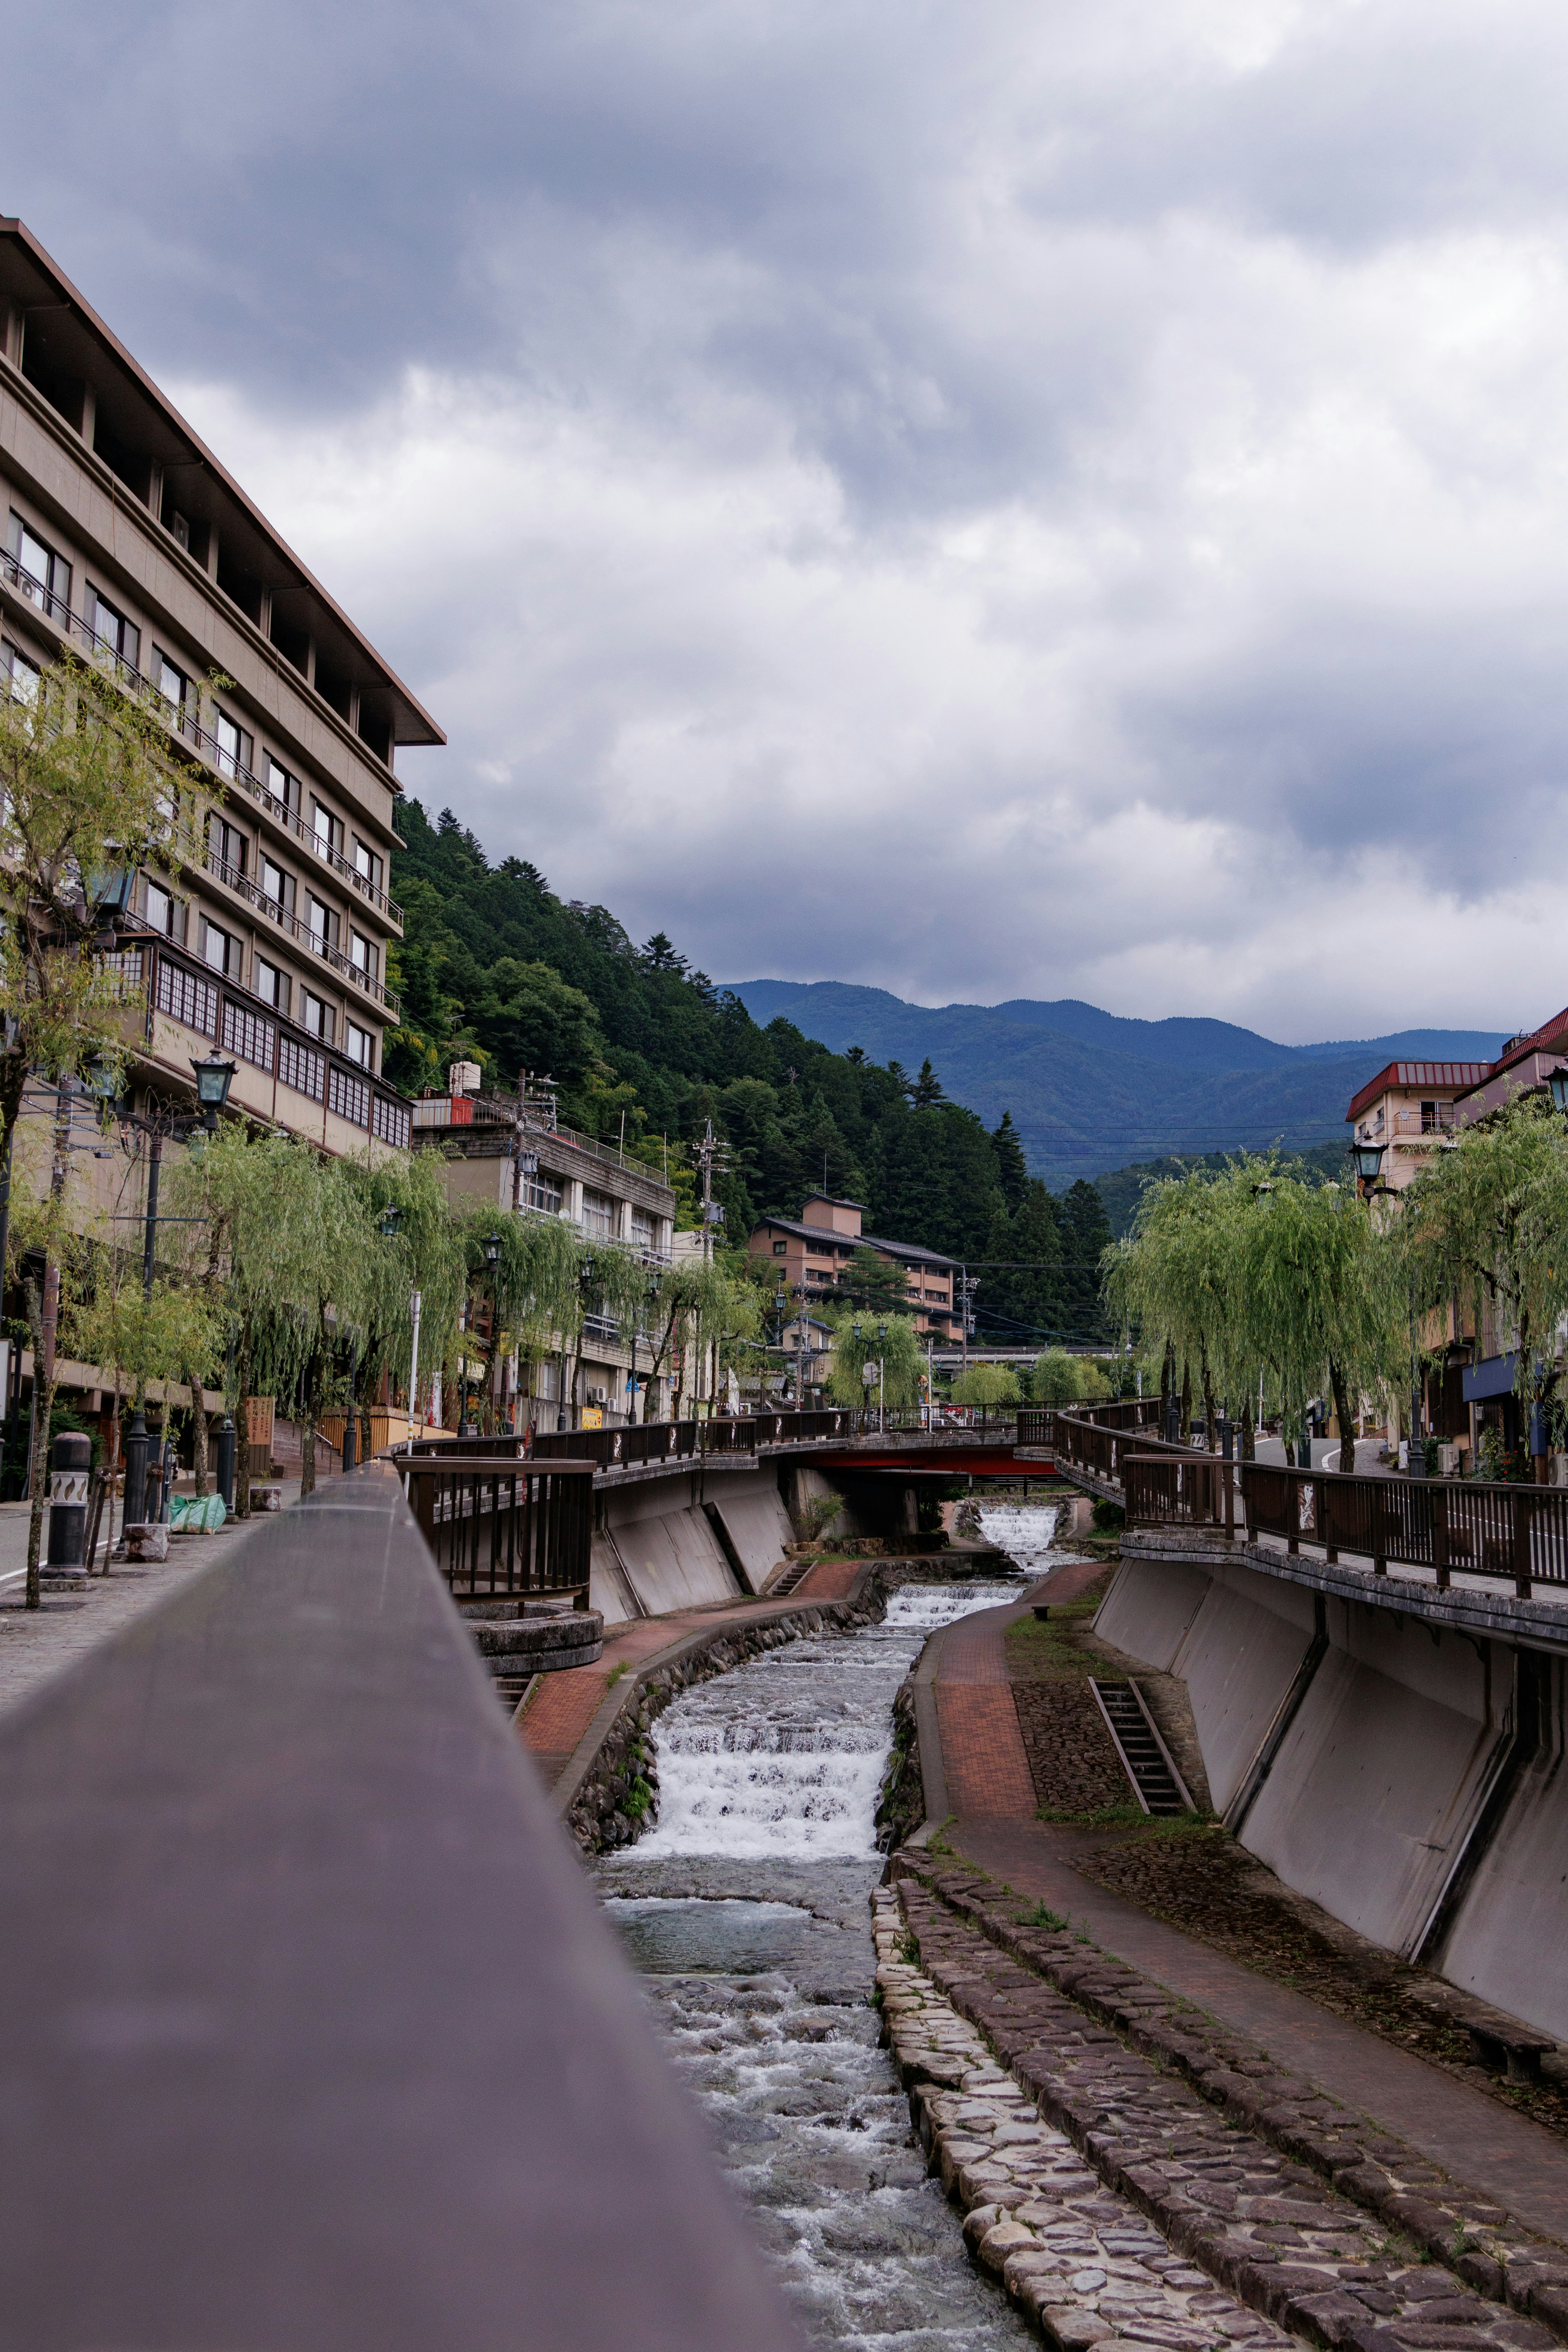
(995, 1826)
(35, 1644)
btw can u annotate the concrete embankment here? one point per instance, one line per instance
(1394, 1752)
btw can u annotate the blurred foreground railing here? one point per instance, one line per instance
(1510, 1534)
(314, 2035)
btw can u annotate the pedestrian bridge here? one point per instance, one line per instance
(672, 1515)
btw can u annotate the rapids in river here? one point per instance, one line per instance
(745, 1908)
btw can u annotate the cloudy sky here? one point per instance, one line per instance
(1057, 499)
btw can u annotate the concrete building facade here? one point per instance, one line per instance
(125, 540)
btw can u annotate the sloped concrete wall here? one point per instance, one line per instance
(1380, 1776)
(1510, 1940)
(658, 1536)
(755, 1521)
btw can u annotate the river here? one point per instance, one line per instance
(745, 1906)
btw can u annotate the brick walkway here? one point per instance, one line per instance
(990, 1792)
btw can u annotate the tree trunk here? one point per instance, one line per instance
(1212, 1437)
(198, 1435)
(1248, 1444)
(1186, 1401)
(241, 1412)
(1343, 1415)
(38, 1452)
(308, 1452)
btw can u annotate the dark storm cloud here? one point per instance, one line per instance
(990, 500)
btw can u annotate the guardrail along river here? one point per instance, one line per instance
(746, 1906)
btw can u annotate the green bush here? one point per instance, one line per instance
(1056, 1378)
(1109, 1518)
(986, 1384)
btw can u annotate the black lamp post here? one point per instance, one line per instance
(1558, 1082)
(585, 1281)
(1367, 1158)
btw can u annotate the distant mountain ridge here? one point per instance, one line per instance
(1090, 1090)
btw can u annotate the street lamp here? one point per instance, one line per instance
(391, 1221)
(214, 1078)
(1367, 1160)
(1558, 1082)
(881, 1380)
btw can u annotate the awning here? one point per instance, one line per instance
(1493, 1376)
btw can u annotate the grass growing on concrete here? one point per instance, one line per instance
(1038, 1647)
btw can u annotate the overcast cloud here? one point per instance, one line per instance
(987, 500)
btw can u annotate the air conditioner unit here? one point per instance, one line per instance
(598, 1396)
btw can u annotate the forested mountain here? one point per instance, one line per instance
(495, 968)
(1091, 1091)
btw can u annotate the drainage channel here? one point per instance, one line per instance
(746, 1907)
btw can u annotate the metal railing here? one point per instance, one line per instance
(295, 1955)
(1510, 1534)
(184, 723)
(502, 1529)
(204, 854)
(654, 1442)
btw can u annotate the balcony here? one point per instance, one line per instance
(184, 725)
(207, 859)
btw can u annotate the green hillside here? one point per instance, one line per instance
(495, 968)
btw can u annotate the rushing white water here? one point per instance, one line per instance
(745, 1908)
(1023, 1530)
(785, 1756)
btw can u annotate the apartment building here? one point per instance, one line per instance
(125, 538)
(513, 1157)
(1407, 1109)
(812, 1253)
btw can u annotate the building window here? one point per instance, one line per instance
(781, 1249)
(249, 1036)
(227, 844)
(642, 1229)
(389, 1122)
(42, 576)
(276, 884)
(543, 1192)
(315, 1017)
(271, 985)
(367, 865)
(349, 1098)
(172, 683)
(363, 954)
(115, 634)
(598, 1213)
(324, 924)
(234, 745)
(327, 830)
(186, 999)
(359, 1046)
(218, 949)
(283, 787)
(157, 909)
(20, 674)
(300, 1068)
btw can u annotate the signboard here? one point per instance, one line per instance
(592, 1416)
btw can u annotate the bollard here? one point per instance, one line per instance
(224, 1465)
(71, 1480)
(135, 1469)
(351, 1434)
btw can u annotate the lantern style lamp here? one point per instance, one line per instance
(491, 1248)
(1367, 1158)
(391, 1219)
(1558, 1082)
(214, 1078)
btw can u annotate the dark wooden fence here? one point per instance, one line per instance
(314, 2035)
(500, 1527)
(656, 1441)
(1512, 1534)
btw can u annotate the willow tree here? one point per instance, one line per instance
(1322, 1299)
(890, 1341)
(699, 1304)
(1484, 1226)
(86, 796)
(1176, 1277)
(411, 1246)
(279, 1248)
(986, 1384)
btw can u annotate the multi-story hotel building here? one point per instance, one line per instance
(813, 1254)
(125, 537)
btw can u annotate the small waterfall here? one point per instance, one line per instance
(785, 1756)
(1024, 1531)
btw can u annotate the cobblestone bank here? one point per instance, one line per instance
(1072, 1756)
(1272, 2189)
(1083, 2264)
(617, 1797)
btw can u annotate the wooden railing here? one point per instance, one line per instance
(656, 1441)
(1511, 1534)
(1097, 1444)
(502, 1529)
